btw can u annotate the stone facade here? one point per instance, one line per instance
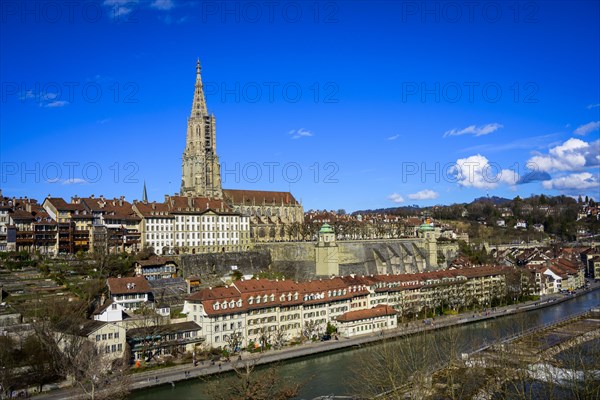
(201, 171)
(269, 212)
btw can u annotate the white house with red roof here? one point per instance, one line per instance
(130, 293)
(360, 322)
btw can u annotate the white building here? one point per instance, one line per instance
(130, 293)
(374, 320)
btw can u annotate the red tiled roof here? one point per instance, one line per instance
(154, 209)
(61, 205)
(380, 310)
(138, 284)
(155, 261)
(258, 197)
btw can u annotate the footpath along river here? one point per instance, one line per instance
(332, 373)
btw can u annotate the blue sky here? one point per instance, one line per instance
(349, 104)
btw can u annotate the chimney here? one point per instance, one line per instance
(102, 299)
(190, 201)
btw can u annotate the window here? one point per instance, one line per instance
(119, 347)
(114, 348)
(107, 349)
(104, 336)
(110, 335)
(97, 338)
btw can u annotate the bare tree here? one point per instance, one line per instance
(94, 373)
(279, 337)
(234, 341)
(68, 354)
(310, 330)
(252, 384)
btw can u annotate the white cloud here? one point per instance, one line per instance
(474, 130)
(299, 133)
(73, 181)
(477, 172)
(593, 106)
(587, 128)
(574, 154)
(55, 104)
(396, 198)
(162, 4)
(426, 194)
(120, 8)
(393, 137)
(582, 180)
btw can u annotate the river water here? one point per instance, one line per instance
(333, 373)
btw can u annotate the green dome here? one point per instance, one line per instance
(326, 229)
(425, 227)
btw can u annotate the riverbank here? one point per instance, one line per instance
(172, 375)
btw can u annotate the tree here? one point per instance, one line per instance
(68, 354)
(310, 330)
(8, 366)
(38, 358)
(251, 384)
(234, 341)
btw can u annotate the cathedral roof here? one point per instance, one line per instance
(259, 197)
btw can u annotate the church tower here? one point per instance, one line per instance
(201, 171)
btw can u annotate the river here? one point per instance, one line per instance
(331, 373)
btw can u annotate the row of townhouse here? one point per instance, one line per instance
(182, 224)
(259, 311)
(555, 276)
(189, 224)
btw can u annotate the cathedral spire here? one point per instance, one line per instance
(199, 103)
(145, 194)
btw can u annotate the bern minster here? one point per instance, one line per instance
(270, 213)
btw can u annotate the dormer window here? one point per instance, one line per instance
(239, 303)
(257, 299)
(250, 300)
(231, 304)
(224, 305)
(265, 298)
(216, 306)
(272, 297)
